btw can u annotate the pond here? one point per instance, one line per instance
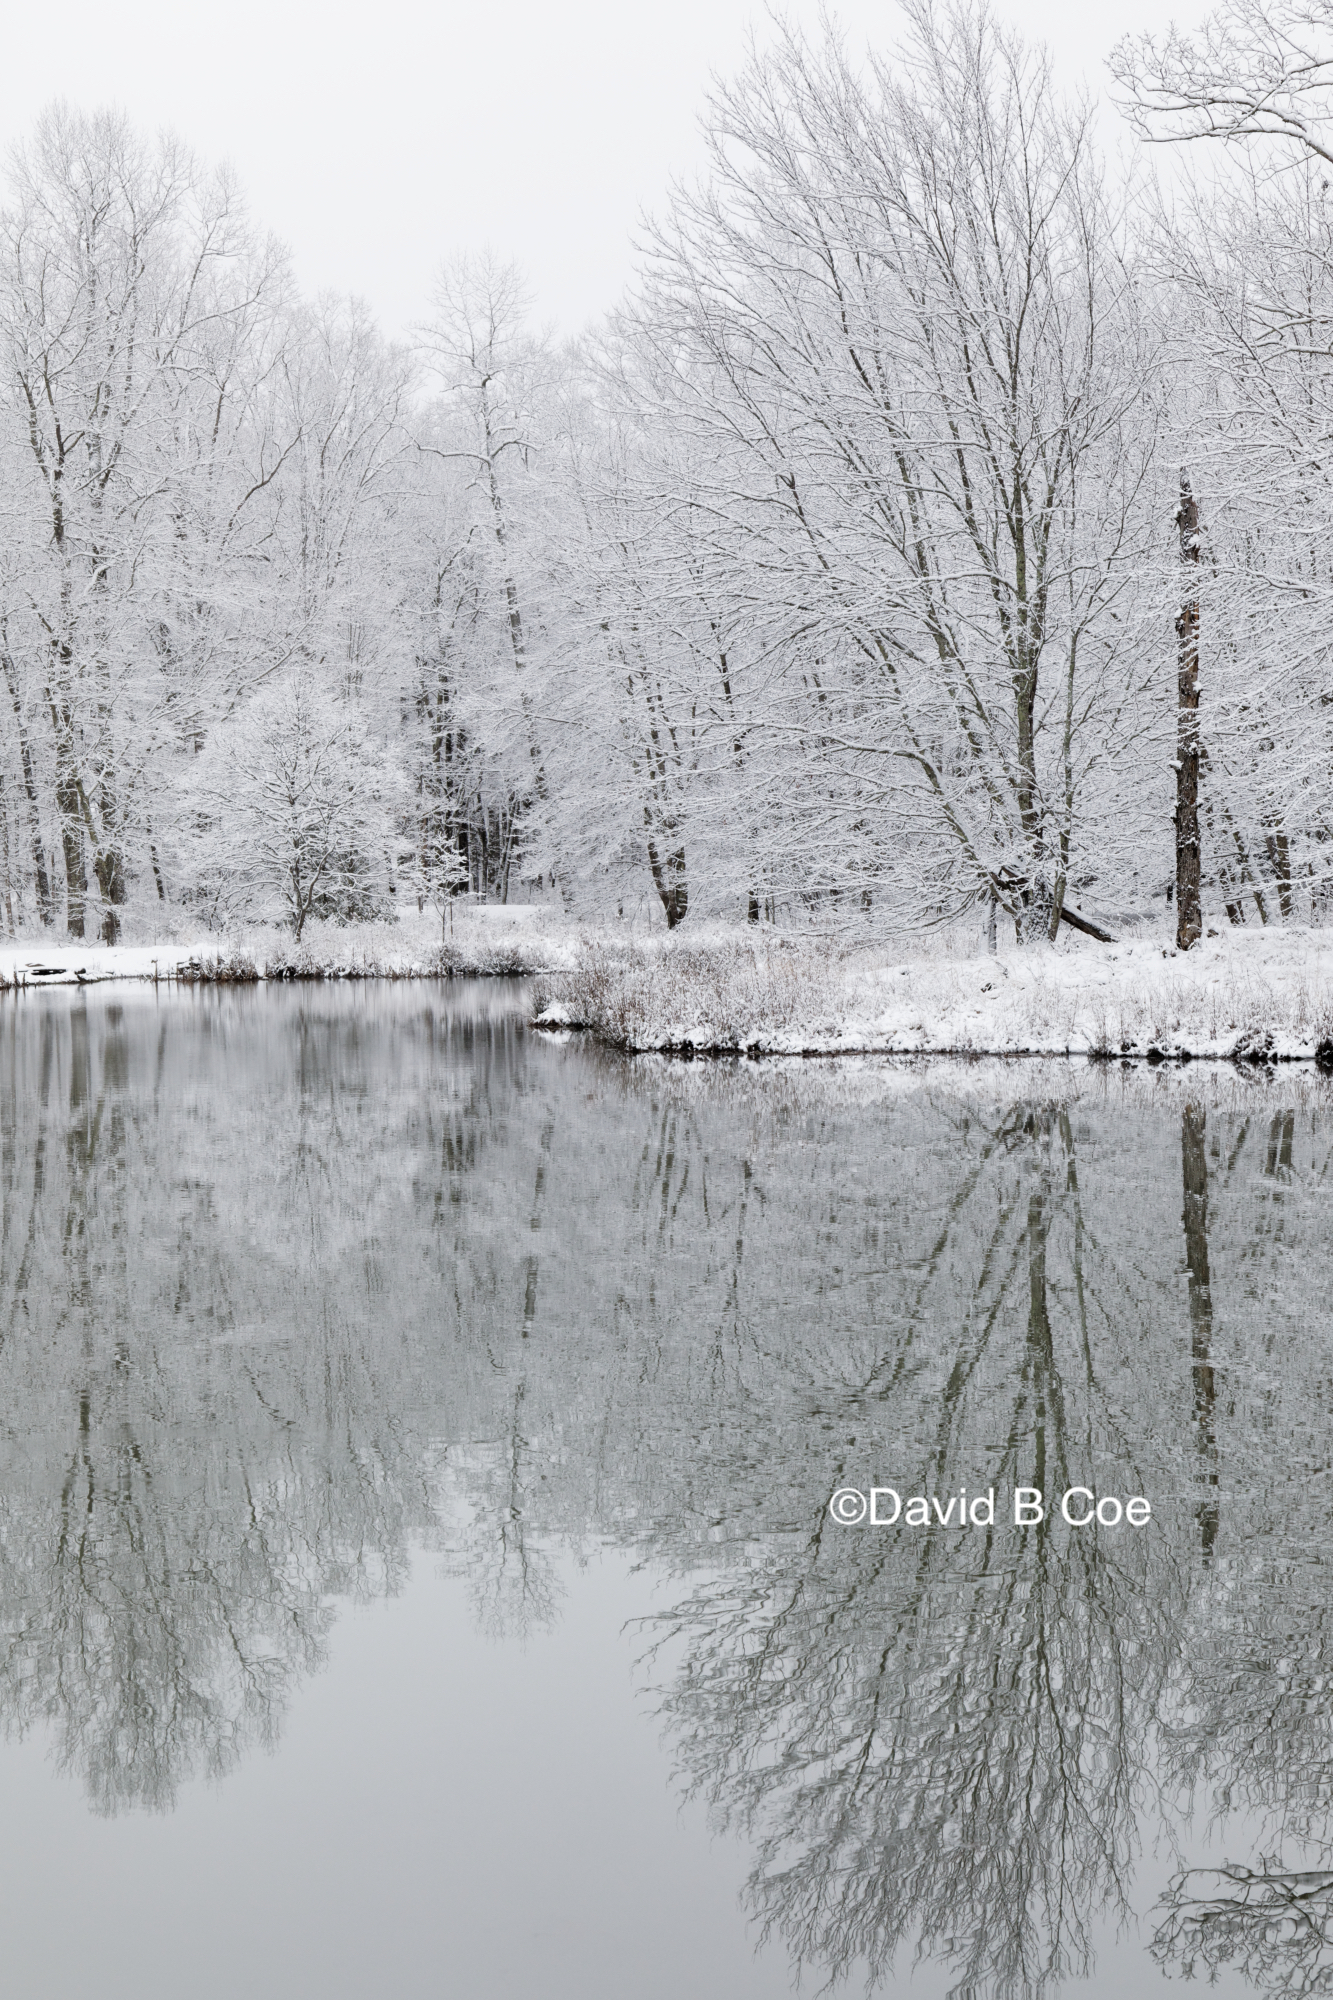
(421, 1569)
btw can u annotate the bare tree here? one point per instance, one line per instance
(903, 306)
(1255, 70)
(492, 372)
(131, 299)
(295, 802)
(1188, 921)
(106, 252)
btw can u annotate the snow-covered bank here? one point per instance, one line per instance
(494, 941)
(1257, 995)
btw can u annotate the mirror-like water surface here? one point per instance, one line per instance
(417, 1570)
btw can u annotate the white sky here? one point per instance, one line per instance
(377, 140)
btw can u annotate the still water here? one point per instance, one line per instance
(417, 1573)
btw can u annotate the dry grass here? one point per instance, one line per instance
(723, 996)
(757, 994)
(219, 968)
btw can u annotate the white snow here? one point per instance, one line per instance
(1247, 992)
(1262, 992)
(506, 939)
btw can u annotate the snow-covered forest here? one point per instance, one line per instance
(943, 524)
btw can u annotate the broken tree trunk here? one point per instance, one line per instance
(1078, 923)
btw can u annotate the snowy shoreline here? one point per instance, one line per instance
(496, 943)
(1252, 997)
(1244, 997)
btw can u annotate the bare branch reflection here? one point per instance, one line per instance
(294, 1286)
(1272, 1925)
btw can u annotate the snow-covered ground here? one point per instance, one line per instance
(1259, 994)
(513, 939)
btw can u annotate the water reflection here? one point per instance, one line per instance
(1273, 1924)
(294, 1282)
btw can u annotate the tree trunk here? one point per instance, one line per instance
(70, 805)
(157, 866)
(1078, 923)
(45, 908)
(1189, 924)
(669, 879)
(1194, 1164)
(1279, 858)
(516, 638)
(108, 858)
(108, 866)
(6, 887)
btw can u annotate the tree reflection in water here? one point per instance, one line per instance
(293, 1283)
(1274, 1925)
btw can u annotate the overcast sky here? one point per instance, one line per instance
(377, 140)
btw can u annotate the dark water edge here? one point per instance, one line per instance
(373, 1366)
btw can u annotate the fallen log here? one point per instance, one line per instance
(1078, 923)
